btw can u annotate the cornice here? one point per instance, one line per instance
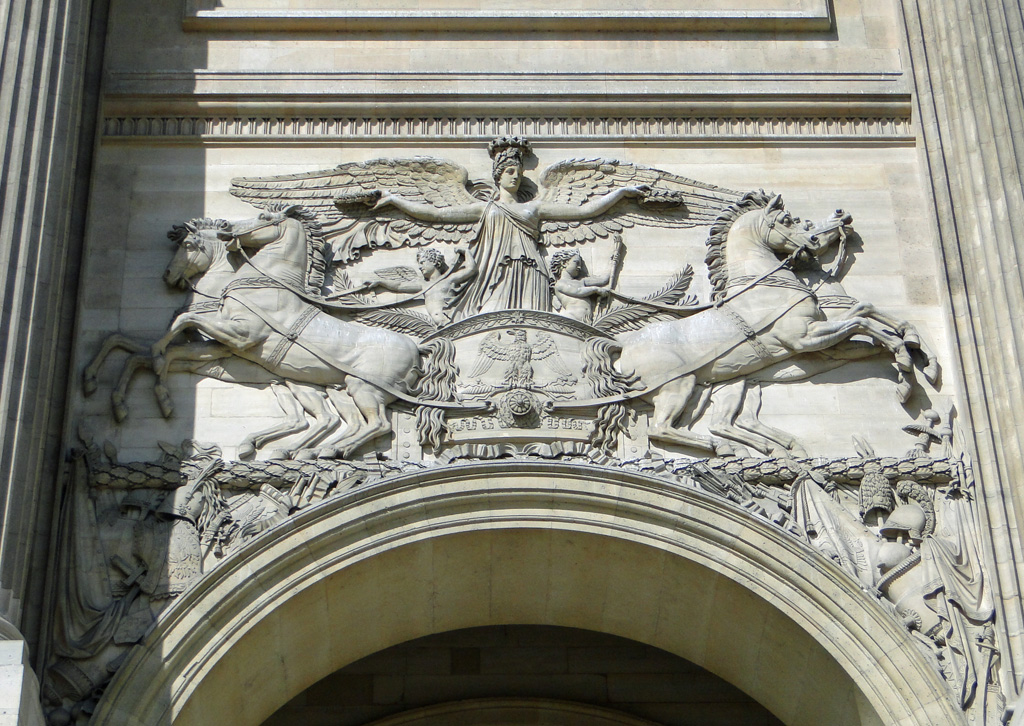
(798, 17)
(332, 129)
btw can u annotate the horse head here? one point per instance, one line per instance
(788, 235)
(199, 245)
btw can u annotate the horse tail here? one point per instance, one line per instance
(605, 380)
(437, 383)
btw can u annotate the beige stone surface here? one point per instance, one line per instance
(808, 98)
(797, 646)
(897, 270)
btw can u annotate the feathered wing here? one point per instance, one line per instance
(490, 351)
(352, 224)
(545, 347)
(634, 317)
(674, 201)
(398, 273)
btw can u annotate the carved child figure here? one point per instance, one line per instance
(439, 284)
(574, 290)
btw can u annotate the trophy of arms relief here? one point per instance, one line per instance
(501, 320)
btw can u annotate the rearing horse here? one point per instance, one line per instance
(264, 316)
(762, 315)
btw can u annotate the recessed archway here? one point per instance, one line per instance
(528, 542)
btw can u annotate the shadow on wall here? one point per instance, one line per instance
(523, 662)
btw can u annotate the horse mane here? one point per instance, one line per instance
(316, 245)
(718, 271)
(180, 231)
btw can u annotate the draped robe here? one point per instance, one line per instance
(511, 272)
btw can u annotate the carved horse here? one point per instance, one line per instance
(264, 315)
(762, 315)
(213, 360)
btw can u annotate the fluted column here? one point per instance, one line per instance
(44, 68)
(967, 58)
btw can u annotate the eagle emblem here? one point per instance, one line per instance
(519, 355)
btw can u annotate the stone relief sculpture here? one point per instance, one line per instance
(497, 344)
(273, 291)
(924, 560)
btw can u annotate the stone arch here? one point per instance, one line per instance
(528, 542)
(512, 712)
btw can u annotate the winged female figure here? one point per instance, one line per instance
(398, 202)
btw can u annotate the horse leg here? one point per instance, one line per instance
(354, 422)
(189, 358)
(235, 334)
(111, 343)
(294, 421)
(749, 419)
(314, 401)
(907, 332)
(822, 334)
(727, 401)
(669, 402)
(120, 392)
(372, 404)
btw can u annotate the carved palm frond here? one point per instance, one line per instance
(633, 317)
(418, 325)
(675, 289)
(673, 201)
(343, 197)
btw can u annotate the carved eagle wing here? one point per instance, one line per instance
(545, 347)
(490, 350)
(352, 224)
(673, 201)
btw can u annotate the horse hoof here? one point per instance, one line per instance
(119, 407)
(903, 391)
(163, 399)
(723, 449)
(931, 372)
(327, 453)
(303, 455)
(246, 450)
(89, 385)
(796, 451)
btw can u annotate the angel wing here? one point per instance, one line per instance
(545, 347)
(398, 273)
(342, 198)
(673, 201)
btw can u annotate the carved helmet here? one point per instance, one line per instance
(909, 518)
(183, 503)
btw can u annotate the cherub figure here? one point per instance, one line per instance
(574, 290)
(438, 283)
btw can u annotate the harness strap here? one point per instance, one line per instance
(760, 349)
(325, 356)
(292, 335)
(693, 366)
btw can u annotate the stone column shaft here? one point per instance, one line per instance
(44, 66)
(967, 58)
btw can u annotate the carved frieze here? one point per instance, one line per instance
(501, 342)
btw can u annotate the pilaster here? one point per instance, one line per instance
(44, 60)
(967, 58)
